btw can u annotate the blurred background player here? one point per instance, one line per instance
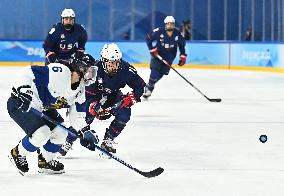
(113, 74)
(186, 29)
(65, 38)
(167, 40)
(48, 88)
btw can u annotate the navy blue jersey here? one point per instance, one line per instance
(106, 85)
(64, 43)
(167, 46)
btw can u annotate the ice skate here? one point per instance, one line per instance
(147, 92)
(51, 167)
(107, 145)
(20, 162)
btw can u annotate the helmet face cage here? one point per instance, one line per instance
(90, 75)
(169, 23)
(111, 67)
(111, 58)
(84, 67)
(68, 13)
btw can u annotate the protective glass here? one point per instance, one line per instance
(90, 75)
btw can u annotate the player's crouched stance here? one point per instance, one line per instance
(46, 89)
(104, 98)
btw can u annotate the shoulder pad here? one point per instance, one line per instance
(51, 30)
(54, 27)
(155, 30)
(127, 66)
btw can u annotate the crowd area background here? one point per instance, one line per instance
(132, 19)
(226, 34)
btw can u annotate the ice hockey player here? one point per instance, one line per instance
(167, 40)
(46, 89)
(113, 75)
(65, 39)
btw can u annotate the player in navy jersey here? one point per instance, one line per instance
(64, 39)
(167, 40)
(46, 89)
(113, 74)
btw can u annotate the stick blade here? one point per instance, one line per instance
(152, 173)
(215, 100)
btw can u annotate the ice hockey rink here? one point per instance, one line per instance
(206, 149)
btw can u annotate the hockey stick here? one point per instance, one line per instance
(209, 99)
(149, 174)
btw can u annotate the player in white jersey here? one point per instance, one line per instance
(46, 89)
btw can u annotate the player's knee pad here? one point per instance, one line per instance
(40, 136)
(58, 135)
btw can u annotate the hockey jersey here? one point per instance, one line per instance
(64, 43)
(51, 88)
(108, 85)
(166, 46)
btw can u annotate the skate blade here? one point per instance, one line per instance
(146, 97)
(60, 156)
(14, 164)
(49, 171)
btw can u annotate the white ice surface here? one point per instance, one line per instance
(206, 149)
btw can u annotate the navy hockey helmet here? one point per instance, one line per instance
(85, 66)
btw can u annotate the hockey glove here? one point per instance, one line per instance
(24, 95)
(97, 111)
(89, 138)
(51, 57)
(128, 100)
(79, 54)
(154, 52)
(182, 60)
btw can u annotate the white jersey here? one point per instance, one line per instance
(52, 83)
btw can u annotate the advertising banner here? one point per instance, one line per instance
(259, 55)
(217, 54)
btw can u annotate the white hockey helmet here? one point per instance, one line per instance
(67, 12)
(169, 19)
(111, 57)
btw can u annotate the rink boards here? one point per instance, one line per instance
(212, 55)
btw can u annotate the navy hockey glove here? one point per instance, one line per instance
(89, 138)
(128, 100)
(51, 57)
(24, 95)
(79, 54)
(182, 60)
